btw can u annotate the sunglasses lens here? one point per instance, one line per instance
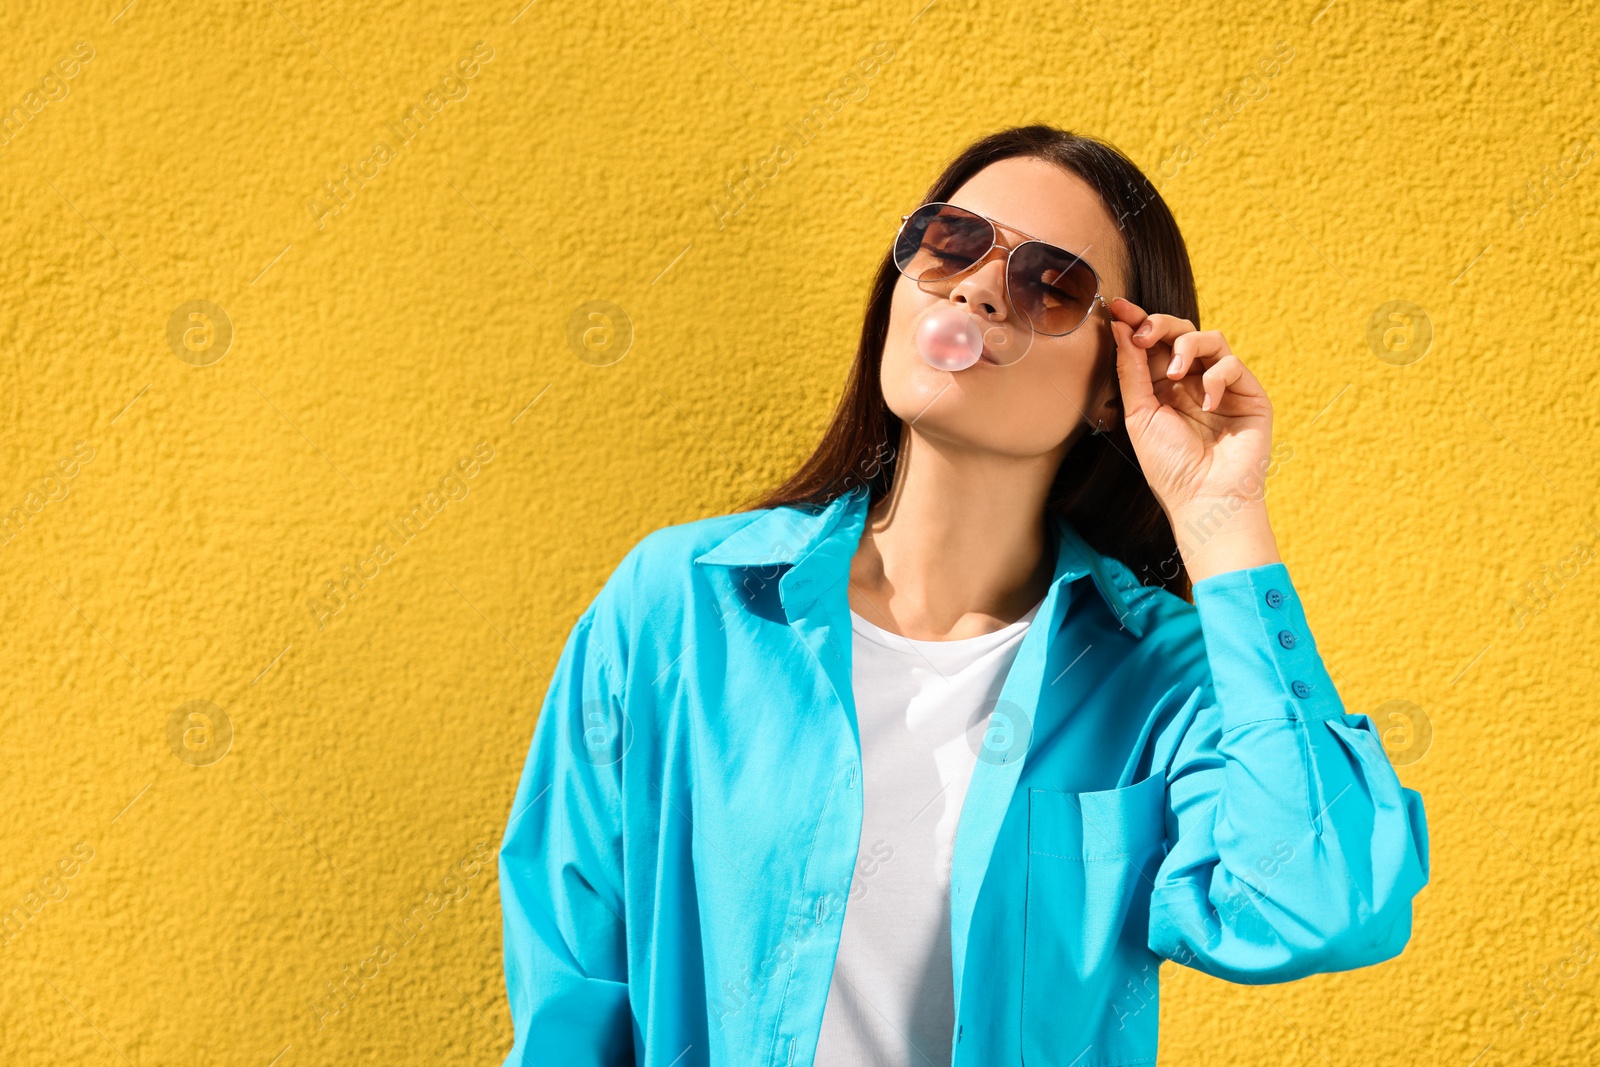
(939, 240)
(1052, 288)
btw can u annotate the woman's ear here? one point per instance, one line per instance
(1109, 409)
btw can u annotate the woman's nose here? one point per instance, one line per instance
(984, 290)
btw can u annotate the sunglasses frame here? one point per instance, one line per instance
(994, 242)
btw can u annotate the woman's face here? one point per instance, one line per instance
(1040, 393)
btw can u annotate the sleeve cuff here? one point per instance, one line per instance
(1264, 661)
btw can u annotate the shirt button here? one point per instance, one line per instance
(1301, 689)
(958, 1032)
(1285, 638)
(1274, 598)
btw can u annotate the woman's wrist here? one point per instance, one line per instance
(1216, 536)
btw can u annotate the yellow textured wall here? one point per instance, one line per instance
(225, 792)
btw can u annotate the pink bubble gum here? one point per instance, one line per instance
(950, 339)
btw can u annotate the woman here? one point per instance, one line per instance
(929, 757)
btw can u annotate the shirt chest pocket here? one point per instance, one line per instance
(1089, 983)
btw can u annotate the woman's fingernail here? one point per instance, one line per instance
(1143, 331)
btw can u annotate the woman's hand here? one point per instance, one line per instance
(1203, 439)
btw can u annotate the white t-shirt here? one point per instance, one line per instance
(922, 708)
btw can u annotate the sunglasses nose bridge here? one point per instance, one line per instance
(1000, 286)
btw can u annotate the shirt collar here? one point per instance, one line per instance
(790, 534)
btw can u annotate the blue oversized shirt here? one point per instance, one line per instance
(1159, 780)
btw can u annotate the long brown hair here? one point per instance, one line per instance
(1099, 486)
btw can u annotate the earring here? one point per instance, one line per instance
(1099, 428)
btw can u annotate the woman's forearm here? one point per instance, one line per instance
(1215, 536)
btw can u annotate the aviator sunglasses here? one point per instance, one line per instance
(1049, 288)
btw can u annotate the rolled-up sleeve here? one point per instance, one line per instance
(561, 888)
(1292, 847)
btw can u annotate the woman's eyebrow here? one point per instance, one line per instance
(1017, 229)
(1083, 255)
(1057, 244)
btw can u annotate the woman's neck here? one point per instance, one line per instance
(959, 547)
